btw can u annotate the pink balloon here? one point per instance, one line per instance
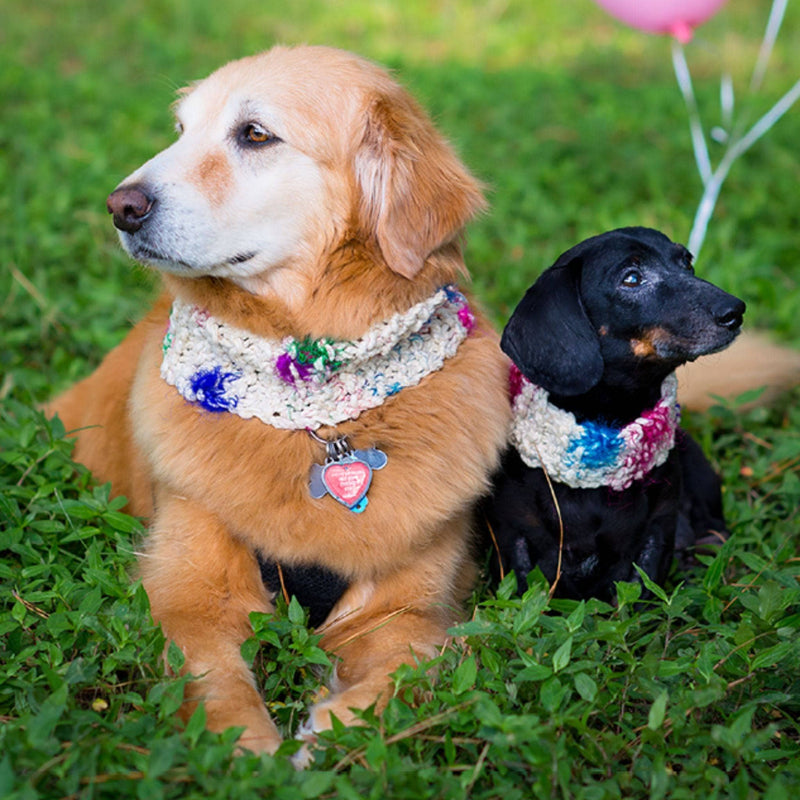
(675, 17)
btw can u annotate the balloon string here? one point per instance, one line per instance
(695, 126)
(713, 179)
(705, 209)
(770, 35)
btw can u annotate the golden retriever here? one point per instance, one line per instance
(307, 199)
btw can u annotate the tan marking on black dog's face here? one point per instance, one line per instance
(643, 348)
(651, 343)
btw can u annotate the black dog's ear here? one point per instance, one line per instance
(550, 338)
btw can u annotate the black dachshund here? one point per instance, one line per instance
(599, 476)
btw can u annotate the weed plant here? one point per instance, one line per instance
(576, 126)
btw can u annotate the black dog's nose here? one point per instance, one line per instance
(130, 206)
(730, 315)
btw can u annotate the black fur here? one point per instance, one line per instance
(600, 330)
(317, 588)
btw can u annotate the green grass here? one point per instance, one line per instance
(576, 126)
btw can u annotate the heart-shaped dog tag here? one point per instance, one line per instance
(347, 481)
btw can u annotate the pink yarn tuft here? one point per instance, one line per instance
(657, 430)
(514, 381)
(466, 318)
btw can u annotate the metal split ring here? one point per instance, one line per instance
(335, 449)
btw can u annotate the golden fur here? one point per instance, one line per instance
(751, 362)
(388, 200)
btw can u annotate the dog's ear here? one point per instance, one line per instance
(415, 195)
(550, 338)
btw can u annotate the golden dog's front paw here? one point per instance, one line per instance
(237, 704)
(260, 741)
(320, 719)
(304, 757)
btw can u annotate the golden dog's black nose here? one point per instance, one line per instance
(130, 206)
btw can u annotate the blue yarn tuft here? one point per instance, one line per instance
(600, 444)
(453, 295)
(209, 387)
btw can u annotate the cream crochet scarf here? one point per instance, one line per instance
(305, 384)
(590, 455)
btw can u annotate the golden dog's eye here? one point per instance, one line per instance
(254, 134)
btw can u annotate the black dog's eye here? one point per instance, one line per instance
(632, 278)
(254, 135)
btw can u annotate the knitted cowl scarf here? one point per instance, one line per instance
(305, 384)
(589, 455)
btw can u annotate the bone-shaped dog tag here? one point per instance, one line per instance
(375, 458)
(315, 483)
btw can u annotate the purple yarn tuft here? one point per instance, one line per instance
(287, 367)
